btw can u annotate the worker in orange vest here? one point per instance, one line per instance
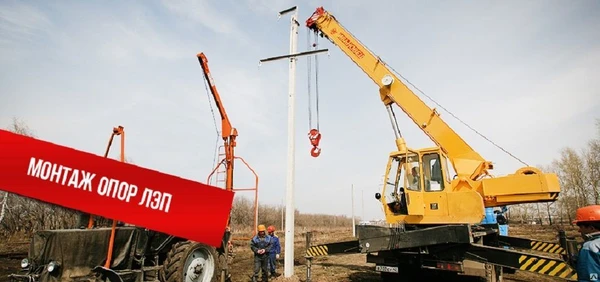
(588, 259)
(275, 250)
(261, 247)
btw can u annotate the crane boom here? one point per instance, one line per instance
(229, 135)
(466, 161)
(228, 132)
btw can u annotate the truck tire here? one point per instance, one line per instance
(191, 261)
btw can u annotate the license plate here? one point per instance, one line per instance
(383, 268)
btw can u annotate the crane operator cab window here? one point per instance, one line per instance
(433, 177)
(397, 179)
(412, 179)
(391, 184)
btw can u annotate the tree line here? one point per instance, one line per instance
(579, 177)
(242, 217)
(21, 216)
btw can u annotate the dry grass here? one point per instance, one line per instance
(242, 266)
(350, 268)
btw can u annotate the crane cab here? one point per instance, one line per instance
(418, 189)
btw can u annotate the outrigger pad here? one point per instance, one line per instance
(108, 273)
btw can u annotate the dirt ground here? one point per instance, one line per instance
(343, 268)
(353, 268)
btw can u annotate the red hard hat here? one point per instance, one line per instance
(589, 213)
(271, 229)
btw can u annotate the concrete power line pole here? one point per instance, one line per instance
(362, 196)
(289, 207)
(353, 222)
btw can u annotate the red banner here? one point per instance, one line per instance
(109, 188)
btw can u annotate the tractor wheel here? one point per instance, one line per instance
(190, 261)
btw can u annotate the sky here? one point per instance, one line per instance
(522, 73)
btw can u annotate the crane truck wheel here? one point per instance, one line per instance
(189, 261)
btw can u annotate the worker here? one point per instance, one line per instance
(261, 247)
(414, 185)
(275, 250)
(83, 220)
(403, 206)
(500, 218)
(588, 259)
(394, 203)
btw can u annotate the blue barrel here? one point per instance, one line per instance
(490, 217)
(503, 230)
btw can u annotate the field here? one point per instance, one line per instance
(325, 269)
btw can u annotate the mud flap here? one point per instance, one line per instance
(107, 273)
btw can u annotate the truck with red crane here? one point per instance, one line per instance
(129, 253)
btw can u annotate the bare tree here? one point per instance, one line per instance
(242, 216)
(572, 168)
(550, 208)
(591, 158)
(20, 127)
(3, 206)
(25, 215)
(579, 176)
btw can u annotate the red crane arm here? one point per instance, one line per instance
(227, 131)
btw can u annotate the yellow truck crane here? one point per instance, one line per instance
(435, 218)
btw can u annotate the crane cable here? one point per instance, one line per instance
(215, 123)
(435, 102)
(314, 135)
(308, 78)
(457, 118)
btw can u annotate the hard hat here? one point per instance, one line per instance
(271, 229)
(589, 213)
(261, 228)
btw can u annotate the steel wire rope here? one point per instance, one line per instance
(435, 102)
(317, 78)
(309, 77)
(214, 122)
(309, 70)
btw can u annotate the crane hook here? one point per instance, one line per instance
(315, 151)
(315, 137)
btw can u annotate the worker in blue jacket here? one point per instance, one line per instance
(588, 259)
(275, 250)
(261, 247)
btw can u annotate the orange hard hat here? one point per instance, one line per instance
(589, 213)
(261, 228)
(271, 229)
